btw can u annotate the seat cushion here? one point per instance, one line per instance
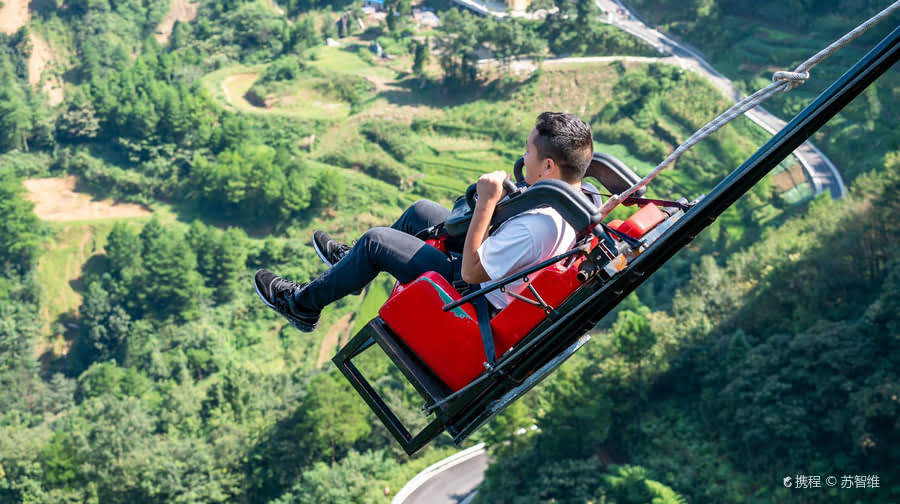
(449, 343)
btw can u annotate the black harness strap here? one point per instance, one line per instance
(631, 200)
(634, 200)
(484, 325)
(633, 243)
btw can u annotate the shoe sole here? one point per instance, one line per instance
(327, 262)
(299, 324)
(321, 254)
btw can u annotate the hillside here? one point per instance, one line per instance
(749, 45)
(197, 142)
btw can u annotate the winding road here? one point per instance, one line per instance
(453, 480)
(822, 173)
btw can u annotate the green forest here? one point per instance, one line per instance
(137, 365)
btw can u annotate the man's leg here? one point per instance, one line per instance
(379, 249)
(421, 215)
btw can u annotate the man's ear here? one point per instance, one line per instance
(550, 167)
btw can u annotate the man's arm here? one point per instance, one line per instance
(490, 190)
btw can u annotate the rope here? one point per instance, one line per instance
(783, 82)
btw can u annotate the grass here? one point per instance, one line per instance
(639, 166)
(62, 265)
(213, 83)
(442, 144)
(461, 140)
(376, 295)
(338, 60)
(300, 100)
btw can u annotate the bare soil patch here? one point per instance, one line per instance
(13, 15)
(339, 331)
(181, 10)
(55, 199)
(42, 56)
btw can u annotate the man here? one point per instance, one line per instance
(559, 147)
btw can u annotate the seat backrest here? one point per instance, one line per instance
(613, 174)
(573, 206)
(640, 222)
(554, 284)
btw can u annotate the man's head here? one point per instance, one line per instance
(560, 146)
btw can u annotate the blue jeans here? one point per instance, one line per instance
(393, 249)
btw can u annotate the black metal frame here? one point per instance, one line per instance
(552, 341)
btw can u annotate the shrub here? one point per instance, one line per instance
(392, 137)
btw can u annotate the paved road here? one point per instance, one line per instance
(822, 173)
(453, 485)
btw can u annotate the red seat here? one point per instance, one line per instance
(554, 284)
(449, 343)
(640, 222)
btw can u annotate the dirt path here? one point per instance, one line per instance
(43, 56)
(55, 199)
(13, 15)
(340, 330)
(180, 10)
(235, 86)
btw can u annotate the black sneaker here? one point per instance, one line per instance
(328, 250)
(278, 294)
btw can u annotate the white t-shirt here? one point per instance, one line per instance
(523, 241)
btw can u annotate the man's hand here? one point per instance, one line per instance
(489, 190)
(490, 187)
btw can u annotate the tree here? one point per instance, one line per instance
(221, 258)
(398, 12)
(105, 327)
(295, 195)
(15, 117)
(151, 233)
(171, 285)
(358, 478)
(247, 182)
(19, 330)
(420, 58)
(124, 248)
(20, 230)
(79, 120)
(328, 189)
(631, 485)
(333, 416)
(633, 338)
(111, 437)
(458, 44)
(304, 35)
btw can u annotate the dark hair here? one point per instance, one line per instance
(566, 140)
